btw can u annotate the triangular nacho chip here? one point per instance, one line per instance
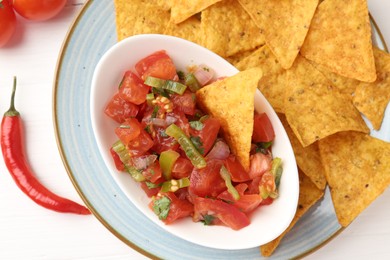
(181, 10)
(309, 194)
(371, 99)
(227, 35)
(345, 85)
(284, 23)
(189, 29)
(340, 39)
(308, 158)
(274, 81)
(231, 101)
(139, 17)
(315, 108)
(357, 170)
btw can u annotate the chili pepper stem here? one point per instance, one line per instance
(12, 111)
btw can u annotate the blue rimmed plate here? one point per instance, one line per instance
(92, 34)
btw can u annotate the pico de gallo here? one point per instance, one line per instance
(175, 152)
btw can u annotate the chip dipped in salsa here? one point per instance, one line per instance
(177, 153)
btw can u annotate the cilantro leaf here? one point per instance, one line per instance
(262, 147)
(161, 207)
(152, 185)
(208, 220)
(196, 125)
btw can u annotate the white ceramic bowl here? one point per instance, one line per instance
(267, 222)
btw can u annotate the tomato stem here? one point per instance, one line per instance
(12, 111)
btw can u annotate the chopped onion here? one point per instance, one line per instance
(220, 151)
(204, 74)
(158, 122)
(170, 120)
(143, 162)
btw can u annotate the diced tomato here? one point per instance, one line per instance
(186, 102)
(260, 163)
(207, 181)
(162, 142)
(141, 144)
(179, 208)
(133, 89)
(153, 172)
(263, 130)
(142, 108)
(118, 163)
(158, 65)
(128, 130)
(150, 192)
(237, 172)
(253, 186)
(228, 214)
(208, 134)
(182, 168)
(120, 109)
(267, 201)
(246, 203)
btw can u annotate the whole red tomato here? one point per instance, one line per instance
(7, 22)
(38, 10)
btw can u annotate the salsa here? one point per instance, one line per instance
(176, 153)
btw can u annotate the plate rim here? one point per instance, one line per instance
(76, 20)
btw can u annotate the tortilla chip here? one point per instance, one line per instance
(229, 34)
(372, 99)
(308, 158)
(231, 101)
(189, 30)
(181, 10)
(340, 39)
(139, 17)
(274, 81)
(284, 23)
(314, 108)
(238, 57)
(344, 85)
(357, 170)
(309, 194)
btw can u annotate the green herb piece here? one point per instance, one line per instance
(155, 111)
(181, 75)
(208, 220)
(196, 125)
(147, 129)
(152, 185)
(185, 143)
(161, 207)
(263, 147)
(163, 134)
(161, 92)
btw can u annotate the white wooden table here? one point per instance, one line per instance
(28, 231)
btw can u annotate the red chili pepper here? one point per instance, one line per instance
(12, 146)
